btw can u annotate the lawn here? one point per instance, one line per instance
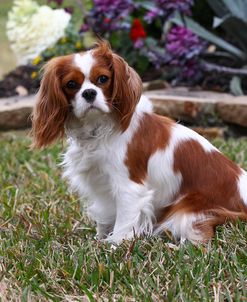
(48, 251)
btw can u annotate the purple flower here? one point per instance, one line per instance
(109, 15)
(191, 69)
(153, 14)
(69, 9)
(139, 43)
(182, 6)
(155, 57)
(167, 8)
(84, 28)
(112, 9)
(183, 49)
(183, 43)
(112, 6)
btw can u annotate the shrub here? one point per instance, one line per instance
(32, 28)
(152, 35)
(140, 31)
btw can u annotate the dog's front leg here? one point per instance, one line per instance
(134, 212)
(103, 230)
(103, 212)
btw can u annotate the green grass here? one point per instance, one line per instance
(48, 251)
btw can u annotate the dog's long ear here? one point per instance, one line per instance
(51, 108)
(127, 90)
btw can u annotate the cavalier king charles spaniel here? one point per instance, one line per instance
(141, 173)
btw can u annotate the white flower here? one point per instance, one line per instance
(32, 28)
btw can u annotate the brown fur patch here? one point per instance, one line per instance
(197, 203)
(126, 86)
(52, 106)
(152, 134)
(209, 187)
(73, 74)
(209, 173)
(103, 56)
(101, 69)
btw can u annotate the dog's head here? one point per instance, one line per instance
(94, 82)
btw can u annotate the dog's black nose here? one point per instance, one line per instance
(89, 95)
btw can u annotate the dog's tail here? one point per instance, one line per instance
(218, 216)
(223, 215)
(186, 220)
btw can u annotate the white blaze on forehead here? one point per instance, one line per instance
(85, 62)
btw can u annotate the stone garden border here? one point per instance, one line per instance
(182, 104)
(200, 106)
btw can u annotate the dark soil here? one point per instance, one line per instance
(21, 76)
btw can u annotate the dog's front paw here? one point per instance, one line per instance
(103, 231)
(117, 238)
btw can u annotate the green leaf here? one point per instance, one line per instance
(219, 21)
(205, 34)
(237, 8)
(218, 7)
(232, 17)
(235, 86)
(148, 5)
(236, 28)
(151, 42)
(142, 63)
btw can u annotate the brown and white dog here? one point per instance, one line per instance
(141, 173)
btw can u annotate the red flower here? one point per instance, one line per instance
(137, 31)
(107, 20)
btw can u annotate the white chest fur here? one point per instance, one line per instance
(94, 166)
(91, 160)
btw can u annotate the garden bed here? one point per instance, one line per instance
(168, 40)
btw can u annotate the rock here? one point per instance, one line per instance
(233, 111)
(191, 92)
(200, 107)
(15, 112)
(211, 133)
(188, 109)
(21, 90)
(154, 85)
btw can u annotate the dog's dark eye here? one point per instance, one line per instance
(102, 79)
(71, 85)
